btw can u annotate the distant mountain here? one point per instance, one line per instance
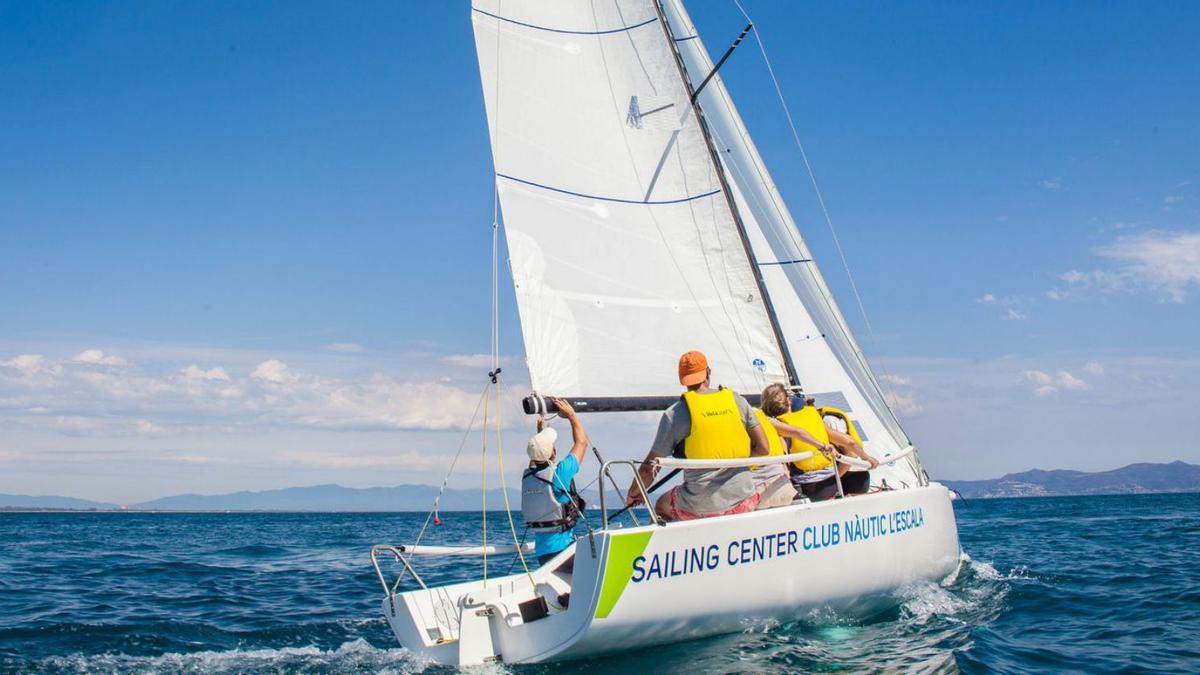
(1133, 479)
(50, 502)
(334, 498)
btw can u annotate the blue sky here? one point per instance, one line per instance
(247, 245)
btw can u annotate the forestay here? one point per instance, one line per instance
(829, 363)
(623, 247)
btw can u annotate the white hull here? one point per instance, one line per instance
(652, 585)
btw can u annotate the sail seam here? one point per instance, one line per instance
(563, 30)
(609, 199)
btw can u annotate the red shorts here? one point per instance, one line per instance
(745, 506)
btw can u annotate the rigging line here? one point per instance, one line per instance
(483, 476)
(619, 200)
(462, 444)
(562, 30)
(495, 346)
(816, 188)
(491, 380)
(512, 526)
(445, 480)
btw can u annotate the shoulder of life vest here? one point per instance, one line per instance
(809, 419)
(841, 415)
(540, 506)
(717, 430)
(774, 440)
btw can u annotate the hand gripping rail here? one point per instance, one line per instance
(605, 470)
(860, 464)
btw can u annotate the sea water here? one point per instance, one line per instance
(1049, 584)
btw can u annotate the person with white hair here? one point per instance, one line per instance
(549, 502)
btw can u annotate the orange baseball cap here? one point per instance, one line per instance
(693, 368)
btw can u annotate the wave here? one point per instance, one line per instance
(357, 656)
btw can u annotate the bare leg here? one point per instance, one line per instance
(663, 506)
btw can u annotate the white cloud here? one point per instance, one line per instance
(1172, 199)
(29, 365)
(1065, 380)
(195, 372)
(157, 399)
(1007, 301)
(1165, 262)
(1052, 184)
(1162, 262)
(971, 406)
(895, 379)
(992, 299)
(1094, 367)
(98, 358)
(344, 348)
(903, 404)
(1046, 384)
(274, 371)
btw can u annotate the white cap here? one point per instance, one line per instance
(541, 446)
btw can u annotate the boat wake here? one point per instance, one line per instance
(357, 656)
(975, 591)
(926, 624)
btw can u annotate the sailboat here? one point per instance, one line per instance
(641, 223)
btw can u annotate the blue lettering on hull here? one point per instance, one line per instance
(697, 559)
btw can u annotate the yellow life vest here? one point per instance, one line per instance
(809, 419)
(774, 440)
(717, 429)
(841, 415)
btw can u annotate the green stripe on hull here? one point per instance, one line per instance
(618, 568)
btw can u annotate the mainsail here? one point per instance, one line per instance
(623, 245)
(630, 242)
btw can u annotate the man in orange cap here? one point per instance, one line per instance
(704, 424)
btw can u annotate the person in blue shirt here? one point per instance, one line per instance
(547, 488)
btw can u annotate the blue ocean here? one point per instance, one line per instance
(1084, 584)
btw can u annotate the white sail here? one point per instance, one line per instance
(623, 248)
(826, 358)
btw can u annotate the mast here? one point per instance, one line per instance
(728, 193)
